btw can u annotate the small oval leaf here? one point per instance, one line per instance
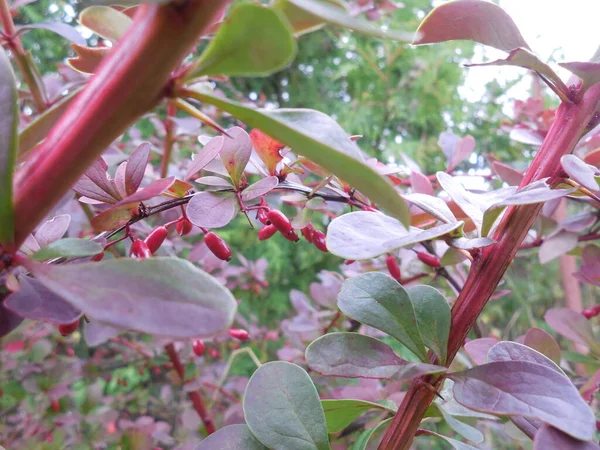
(68, 248)
(211, 210)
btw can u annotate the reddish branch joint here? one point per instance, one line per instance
(217, 246)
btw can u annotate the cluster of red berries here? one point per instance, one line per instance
(199, 346)
(591, 312)
(275, 221)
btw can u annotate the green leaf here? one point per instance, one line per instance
(433, 318)
(303, 21)
(319, 138)
(105, 21)
(232, 437)
(578, 358)
(252, 41)
(456, 445)
(9, 120)
(465, 430)
(377, 300)
(341, 413)
(334, 15)
(283, 409)
(68, 248)
(160, 296)
(364, 439)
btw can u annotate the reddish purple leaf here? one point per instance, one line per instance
(513, 351)
(35, 301)
(97, 332)
(506, 173)
(87, 188)
(549, 437)
(587, 71)
(557, 245)
(261, 187)
(478, 349)
(589, 271)
(52, 230)
(212, 210)
(519, 388)
(580, 172)
(60, 28)
(420, 184)
(153, 190)
(97, 174)
(8, 319)
(543, 342)
(571, 325)
(456, 149)
(473, 20)
(209, 152)
(236, 152)
(136, 167)
(353, 355)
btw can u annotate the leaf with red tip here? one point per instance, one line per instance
(160, 296)
(473, 20)
(260, 188)
(211, 209)
(236, 152)
(267, 148)
(210, 151)
(549, 437)
(136, 167)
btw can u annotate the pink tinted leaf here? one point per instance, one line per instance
(588, 72)
(526, 136)
(519, 388)
(212, 210)
(52, 229)
(97, 174)
(213, 181)
(420, 184)
(160, 296)
(267, 149)
(97, 332)
(478, 349)
(543, 342)
(506, 173)
(261, 187)
(571, 325)
(236, 152)
(437, 207)
(352, 355)
(153, 190)
(582, 173)
(209, 152)
(62, 29)
(119, 179)
(549, 437)
(36, 302)
(557, 245)
(473, 20)
(136, 167)
(456, 149)
(513, 351)
(589, 271)
(87, 188)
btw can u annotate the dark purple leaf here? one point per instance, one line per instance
(212, 210)
(232, 437)
(519, 388)
(136, 167)
(478, 349)
(236, 152)
(62, 29)
(8, 319)
(36, 302)
(506, 173)
(161, 296)
(153, 190)
(210, 151)
(473, 20)
(582, 173)
(97, 174)
(365, 235)
(353, 355)
(549, 437)
(52, 230)
(571, 325)
(527, 425)
(261, 187)
(513, 351)
(543, 342)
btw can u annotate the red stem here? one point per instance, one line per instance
(194, 396)
(489, 266)
(169, 140)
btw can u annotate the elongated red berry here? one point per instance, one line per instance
(319, 240)
(266, 232)
(156, 238)
(291, 236)
(139, 249)
(68, 328)
(239, 333)
(393, 268)
(199, 347)
(98, 257)
(218, 246)
(184, 227)
(591, 312)
(261, 215)
(308, 231)
(55, 405)
(430, 260)
(281, 222)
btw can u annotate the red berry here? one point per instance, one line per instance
(139, 249)
(218, 246)
(98, 257)
(591, 312)
(156, 237)
(214, 353)
(281, 222)
(393, 268)
(291, 236)
(261, 215)
(308, 231)
(319, 240)
(430, 260)
(68, 328)
(184, 227)
(199, 347)
(266, 232)
(349, 261)
(55, 405)
(239, 333)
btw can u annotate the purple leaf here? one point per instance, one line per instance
(97, 332)
(353, 355)
(519, 388)
(210, 151)
(513, 351)
(214, 181)
(52, 230)
(587, 71)
(526, 136)
(437, 207)
(261, 187)
(62, 29)
(232, 437)
(365, 234)
(36, 302)
(87, 188)
(543, 342)
(420, 184)
(161, 296)
(212, 210)
(582, 173)
(8, 320)
(136, 167)
(236, 152)
(549, 437)
(571, 325)
(153, 190)
(97, 174)
(557, 245)
(589, 271)
(456, 149)
(506, 173)
(473, 20)
(478, 349)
